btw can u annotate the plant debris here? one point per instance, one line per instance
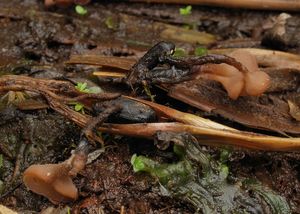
(46, 50)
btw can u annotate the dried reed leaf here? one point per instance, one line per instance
(249, 4)
(268, 58)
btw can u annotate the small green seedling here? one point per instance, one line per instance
(79, 107)
(82, 87)
(179, 52)
(185, 11)
(200, 51)
(111, 23)
(148, 92)
(80, 10)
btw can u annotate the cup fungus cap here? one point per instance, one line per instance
(231, 79)
(256, 81)
(54, 181)
(51, 181)
(236, 83)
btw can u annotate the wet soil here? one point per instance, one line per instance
(36, 41)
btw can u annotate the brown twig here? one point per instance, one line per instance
(206, 135)
(18, 161)
(249, 4)
(88, 130)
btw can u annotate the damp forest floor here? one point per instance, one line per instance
(37, 41)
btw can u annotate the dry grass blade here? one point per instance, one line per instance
(180, 34)
(108, 74)
(265, 58)
(6, 210)
(107, 61)
(249, 4)
(163, 31)
(206, 135)
(209, 136)
(185, 118)
(268, 58)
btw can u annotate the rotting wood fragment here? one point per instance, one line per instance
(269, 111)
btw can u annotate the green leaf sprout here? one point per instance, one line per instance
(80, 10)
(111, 23)
(137, 163)
(148, 92)
(79, 107)
(200, 51)
(185, 11)
(82, 87)
(179, 52)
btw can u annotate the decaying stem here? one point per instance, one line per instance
(284, 5)
(205, 135)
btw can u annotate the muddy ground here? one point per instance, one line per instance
(37, 41)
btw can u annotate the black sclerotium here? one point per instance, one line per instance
(159, 66)
(157, 54)
(130, 112)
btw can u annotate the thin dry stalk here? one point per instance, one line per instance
(284, 5)
(206, 135)
(267, 58)
(186, 118)
(108, 61)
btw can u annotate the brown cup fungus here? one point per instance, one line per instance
(236, 83)
(54, 181)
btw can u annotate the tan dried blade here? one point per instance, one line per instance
(107, 61)
(267, 58)
(185, 118)
(208, 136)
(283, 5)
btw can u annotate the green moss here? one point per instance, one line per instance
(277, 203)
(199, 179)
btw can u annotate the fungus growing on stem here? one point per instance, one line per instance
(54, 181)
(236, 83)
